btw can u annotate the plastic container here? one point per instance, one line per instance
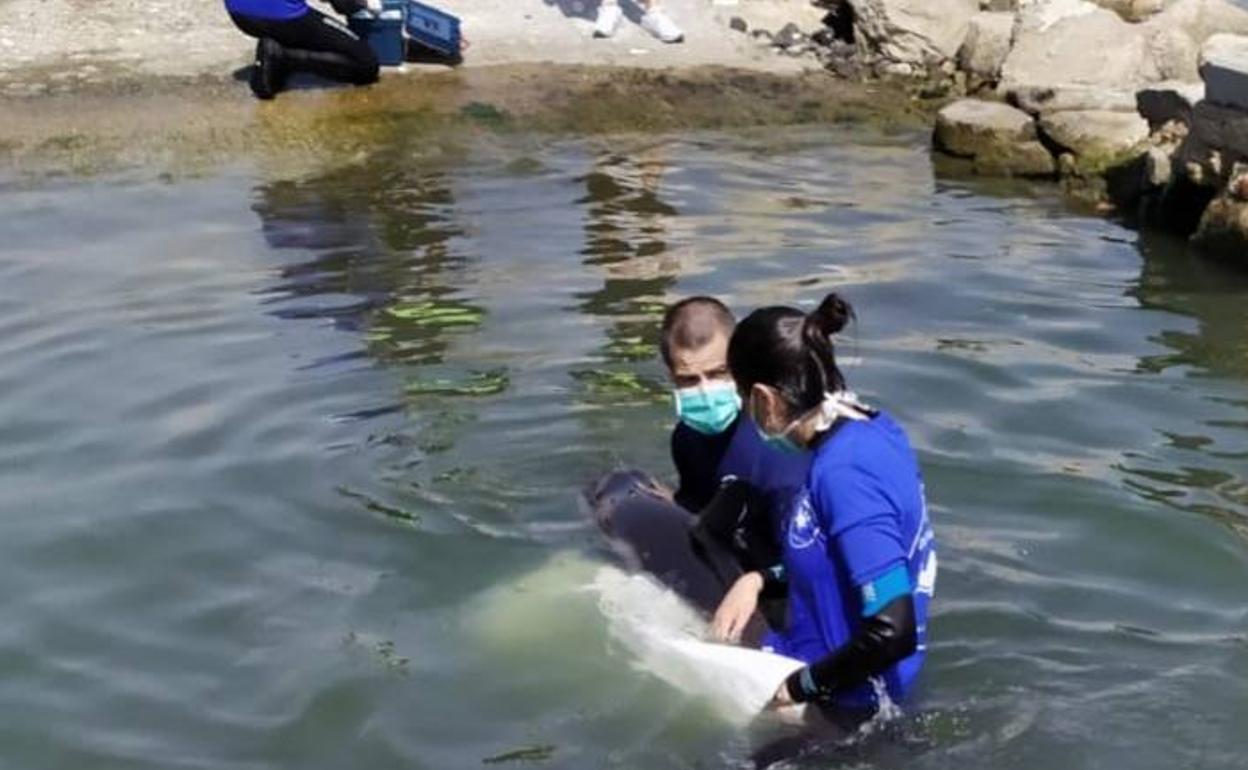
(383, 33)
(434, 29)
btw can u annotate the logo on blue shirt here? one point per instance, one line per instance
(804, 528)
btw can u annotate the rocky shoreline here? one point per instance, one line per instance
(1140, 106)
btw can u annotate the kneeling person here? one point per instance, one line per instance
(717, 451)
(293, 37)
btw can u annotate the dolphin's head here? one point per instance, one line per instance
(600, 498)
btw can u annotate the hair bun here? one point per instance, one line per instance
(832, 315)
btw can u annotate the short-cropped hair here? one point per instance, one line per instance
(692, 323)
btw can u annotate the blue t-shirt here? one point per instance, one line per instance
(705, 462)
(273, 10)
(860, 515)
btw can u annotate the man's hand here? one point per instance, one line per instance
(738, 606)
(659, 490)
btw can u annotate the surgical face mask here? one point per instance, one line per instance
(708, 409)
(780, 442)
(841, 404)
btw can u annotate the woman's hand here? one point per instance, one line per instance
(738, 606)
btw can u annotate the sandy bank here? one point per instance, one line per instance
(77, 46)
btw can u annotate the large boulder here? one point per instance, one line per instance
(1200, 19)
(1000, 139)
(987, 44)
(1042, 100)
(1224, 68)
(1173, 52)
(1074, 42)
(918, 32)
(1098, 140)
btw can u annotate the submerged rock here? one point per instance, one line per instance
(1224, 68)
(1099, 140)
(998, 138)
(917, 32)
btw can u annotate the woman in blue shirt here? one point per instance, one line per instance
(859, 555)
(294, 37)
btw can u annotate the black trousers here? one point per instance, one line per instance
(318, 44)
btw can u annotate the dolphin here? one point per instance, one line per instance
(648, 532)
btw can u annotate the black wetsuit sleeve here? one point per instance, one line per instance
(348, 7)
(883, 639)
(695, 480)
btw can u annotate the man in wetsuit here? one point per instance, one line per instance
(717, 451)
(293, 37)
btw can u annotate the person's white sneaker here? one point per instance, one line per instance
(659, 24)
(609, 18)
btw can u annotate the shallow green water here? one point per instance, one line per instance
(279, 458)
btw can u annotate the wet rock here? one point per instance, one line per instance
(1224, 68)
(1073, 42)
(1158, 169)
(739, 24)
(1000, 139)
(1043, 100)
(987, 44)
(1223, 228)
(1100, 140)
(1169, 101)
(918, 32)
(1216, 141)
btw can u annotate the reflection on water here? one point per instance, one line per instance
(300, 491)
(626, 220)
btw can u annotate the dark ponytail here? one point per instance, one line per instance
(791, 351)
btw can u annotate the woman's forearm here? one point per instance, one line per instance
(883, 639)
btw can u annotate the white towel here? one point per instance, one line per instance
(665, 637)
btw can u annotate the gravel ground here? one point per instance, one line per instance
(68, 46)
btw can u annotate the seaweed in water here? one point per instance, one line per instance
(486, 383)
(523, 754)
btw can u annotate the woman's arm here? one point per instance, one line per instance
(887, 634)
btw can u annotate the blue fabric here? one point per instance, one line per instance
(877, 594)
(776, 476)
(860, 515)
(272, 10)
(703, 462)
